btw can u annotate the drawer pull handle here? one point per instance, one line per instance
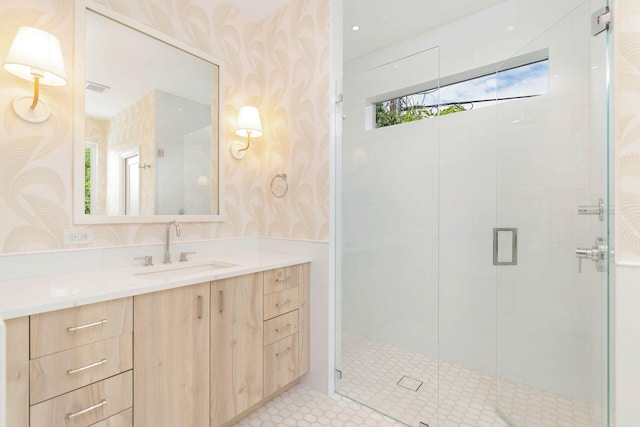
(71, 415)
(88, 325)
(282, 279)
(84, 368)
(283, 352)
(200, 307)
(284, 328)
(280, 304)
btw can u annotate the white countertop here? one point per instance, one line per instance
(38, 295)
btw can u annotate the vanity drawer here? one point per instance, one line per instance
(280, 327)
(64, 329)
(280, 279)
(280, 302)
(280, 364)
(59, 373)
(87, 405)
(123, 419)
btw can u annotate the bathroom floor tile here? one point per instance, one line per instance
(303, 407)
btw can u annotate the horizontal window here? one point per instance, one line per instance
(522, 81)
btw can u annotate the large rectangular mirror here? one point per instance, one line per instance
(147, 143)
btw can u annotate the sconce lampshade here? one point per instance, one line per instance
(35, 55)
(249, 122)
(248, 126)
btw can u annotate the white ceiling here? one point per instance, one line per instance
(133, 64)
(385, 22)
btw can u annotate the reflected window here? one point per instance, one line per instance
(90, 161)
(523, 81)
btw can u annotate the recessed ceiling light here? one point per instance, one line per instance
(355, 28)
(511, 28)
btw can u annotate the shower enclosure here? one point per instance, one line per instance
(472, 245)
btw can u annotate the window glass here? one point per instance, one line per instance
(520, 82)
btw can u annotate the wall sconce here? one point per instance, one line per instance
(248, 126)
(35, 55)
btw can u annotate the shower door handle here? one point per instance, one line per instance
(508, 255)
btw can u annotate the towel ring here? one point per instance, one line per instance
(282, 176)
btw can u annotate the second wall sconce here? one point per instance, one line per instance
(35, 55)
(248, 126)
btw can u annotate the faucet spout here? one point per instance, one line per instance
(167, 246)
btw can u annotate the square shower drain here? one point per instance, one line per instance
(410, 383)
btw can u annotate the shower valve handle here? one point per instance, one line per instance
(595, 254)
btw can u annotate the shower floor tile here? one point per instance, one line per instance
(467, 398)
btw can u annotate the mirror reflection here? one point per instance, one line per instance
(151, 145)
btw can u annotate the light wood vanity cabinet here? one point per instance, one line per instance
(286, 327)
(236, 346)
(17, 372)
(71, 367)
(195, 356)
(171, 357)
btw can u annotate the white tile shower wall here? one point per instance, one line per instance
(169, 136)
(389, 222)
(523, 164)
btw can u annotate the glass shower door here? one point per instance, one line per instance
(552, 194)
(387, 244)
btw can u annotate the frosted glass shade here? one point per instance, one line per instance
(36, 53)
(249, 122)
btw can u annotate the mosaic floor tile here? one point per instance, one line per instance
(466, 398)
(303, 407)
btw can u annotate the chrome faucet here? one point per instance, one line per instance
(167, 247)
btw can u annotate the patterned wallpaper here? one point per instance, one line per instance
(280, 64)
(627, 131)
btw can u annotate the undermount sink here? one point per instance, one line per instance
(177, 269)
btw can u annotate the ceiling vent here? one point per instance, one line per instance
(96, 87)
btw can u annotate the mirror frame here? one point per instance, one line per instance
(79, 120)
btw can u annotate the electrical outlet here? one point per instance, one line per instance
(77, 236)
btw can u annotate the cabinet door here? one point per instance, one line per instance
(236, 346)
(171, 357)
(17, 372)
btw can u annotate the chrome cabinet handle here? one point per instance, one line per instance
(280, 304)
(199, 309)
(284, 328)
(221, 302)
(283, 352)
(88, 325)
(71, 415)
(84, 368)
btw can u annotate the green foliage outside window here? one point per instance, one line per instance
(386, 117)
